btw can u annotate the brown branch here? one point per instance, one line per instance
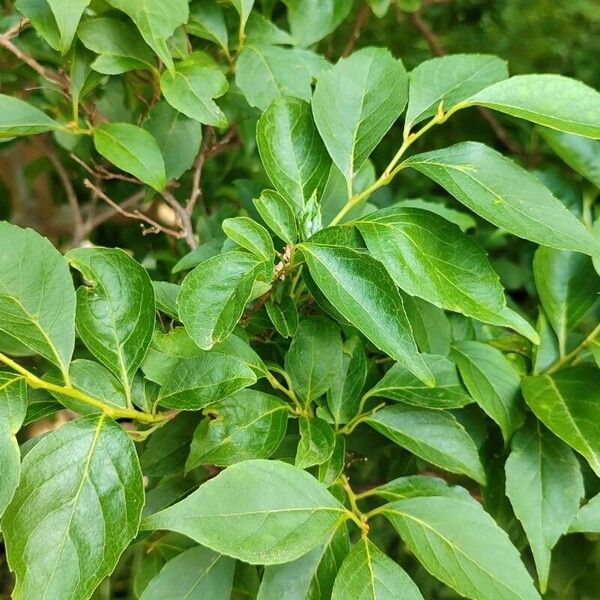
(97, 220)
(438, 50)
(136, 214)
(5, 42)
(362, 18)
(187, 231)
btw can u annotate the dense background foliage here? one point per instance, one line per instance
(80, 190)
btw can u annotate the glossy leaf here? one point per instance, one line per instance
(431, 258)
(315, 339)
(278, 214)
(156, 22)
(13, 407)
(435, 436)
(468, 552)
(214, 294)
(587, 519)
(317, 442)
(551, 100)
(37, 298)
(250, 235)
(77, 507)
(115, 309)
(192, 86)
(282, 513)
(283, 315)
(67, 17)
(492, 382)
(291, 150)
(568, 287)
(204, 380)
(18, 117)
(362, 291)
(545, 485)
(356, 102)
(401, 385)
(207, 21)
(368, 574)
(503, 193)
(568, 403)
(343, 397)
(195, 573)
(133, 150)
(412, 486)
(248, 424)
(449, 80)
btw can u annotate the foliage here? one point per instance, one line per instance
(301, 378)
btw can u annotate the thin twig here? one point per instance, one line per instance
(437, 49)
(109, 213)
(5, 42)
(136, 214)
(362, 18)
(185, 221)
(196, 192)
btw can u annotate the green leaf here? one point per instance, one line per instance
(291, 150)
(551, 100)
(204, 380)
(568, 403)
(67, 15)
(115, 309)
(311, 20)
(17, 117)
(195, 573)
(356, 102)
(13, 407)
(264, 73)
(431, 258)
(262, 31)
(430, 325)
(278, 514)
(214, 294)
(283, 315)
(433, 435)
(178, 137)
(581, 154)
(449, 80)
(208, 21)
(93, 379)
(243, 7)
(193, 85)
(361, 290)
(463, 220)
(492, 382)
(250, 235)
(413, 486)
(568, 287)
(157, 21)
(42, 18)
(312, 376)
(166, 294)
(368, 574)
(317, 442)
(401, 385)
(112, 38)
(248, 424)
(460, 544)
(310, 576)
(133, 150)
(503, 193)
(278, 214)
(344, 395)
(544, 485)
(331, 469)
(587, 519)
(76, 509)
(37, 299)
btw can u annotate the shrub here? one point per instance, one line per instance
(303, 380)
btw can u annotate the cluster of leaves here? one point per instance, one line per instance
(220, 416)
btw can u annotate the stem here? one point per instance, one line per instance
(391, 170)
(288, 391)
(360, 417)
(571, 355)
(360, 519)
(113, 412)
